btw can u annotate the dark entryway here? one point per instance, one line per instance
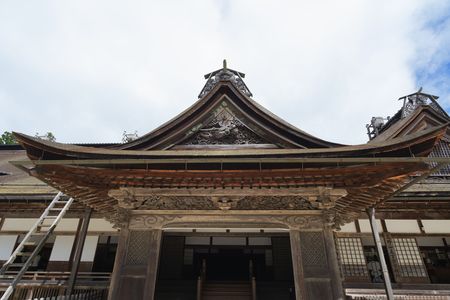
(225, 265)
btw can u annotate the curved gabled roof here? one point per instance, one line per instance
(416, 144)
(366, 184)
(272, 129)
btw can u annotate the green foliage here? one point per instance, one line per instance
(48, 136)
(7, 138)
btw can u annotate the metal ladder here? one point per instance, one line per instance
(33, 242)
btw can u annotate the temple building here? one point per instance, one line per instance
(229, 201)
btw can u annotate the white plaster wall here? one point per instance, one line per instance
(364, 225)
(7, 243)
(18, 224)
(402, 226)
(349, 227)
(62, 248)
(436, 226)
(101, 225)
(67, 225)
(90, 245)
(24, 224)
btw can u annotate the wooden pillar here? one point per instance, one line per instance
(314, 261)
(297, 266)
(333, 262)
(152, 263)
(136, 265)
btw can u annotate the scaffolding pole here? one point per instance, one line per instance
(376, 237)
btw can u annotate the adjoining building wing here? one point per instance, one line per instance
(419, 112)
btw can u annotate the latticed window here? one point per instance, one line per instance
(351, 256)
(408, 257)
(442, 149)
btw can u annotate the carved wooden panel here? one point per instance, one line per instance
(138, 247)
(273, 202)
(313, 250)
(174, 202)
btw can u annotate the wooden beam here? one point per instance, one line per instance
(332, 160)
(302, 192)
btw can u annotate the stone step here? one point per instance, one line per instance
(223, 290)
(226, 290)
(225, 297)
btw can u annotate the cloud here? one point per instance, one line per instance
(87, 71)
(432, 67)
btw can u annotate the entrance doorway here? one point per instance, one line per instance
(225, 266)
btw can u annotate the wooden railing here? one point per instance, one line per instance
(252, 279)
(53, 285)
(253, 288)
(400, 294)
(201, 280)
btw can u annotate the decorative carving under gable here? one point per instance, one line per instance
(324, 199)
(152, 202)
(121, 217)
(274, 202)
(223, 129)
(127, 199)
(225, 203)
(175, 202)
(335, 220)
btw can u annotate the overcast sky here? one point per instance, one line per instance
(88, 70)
